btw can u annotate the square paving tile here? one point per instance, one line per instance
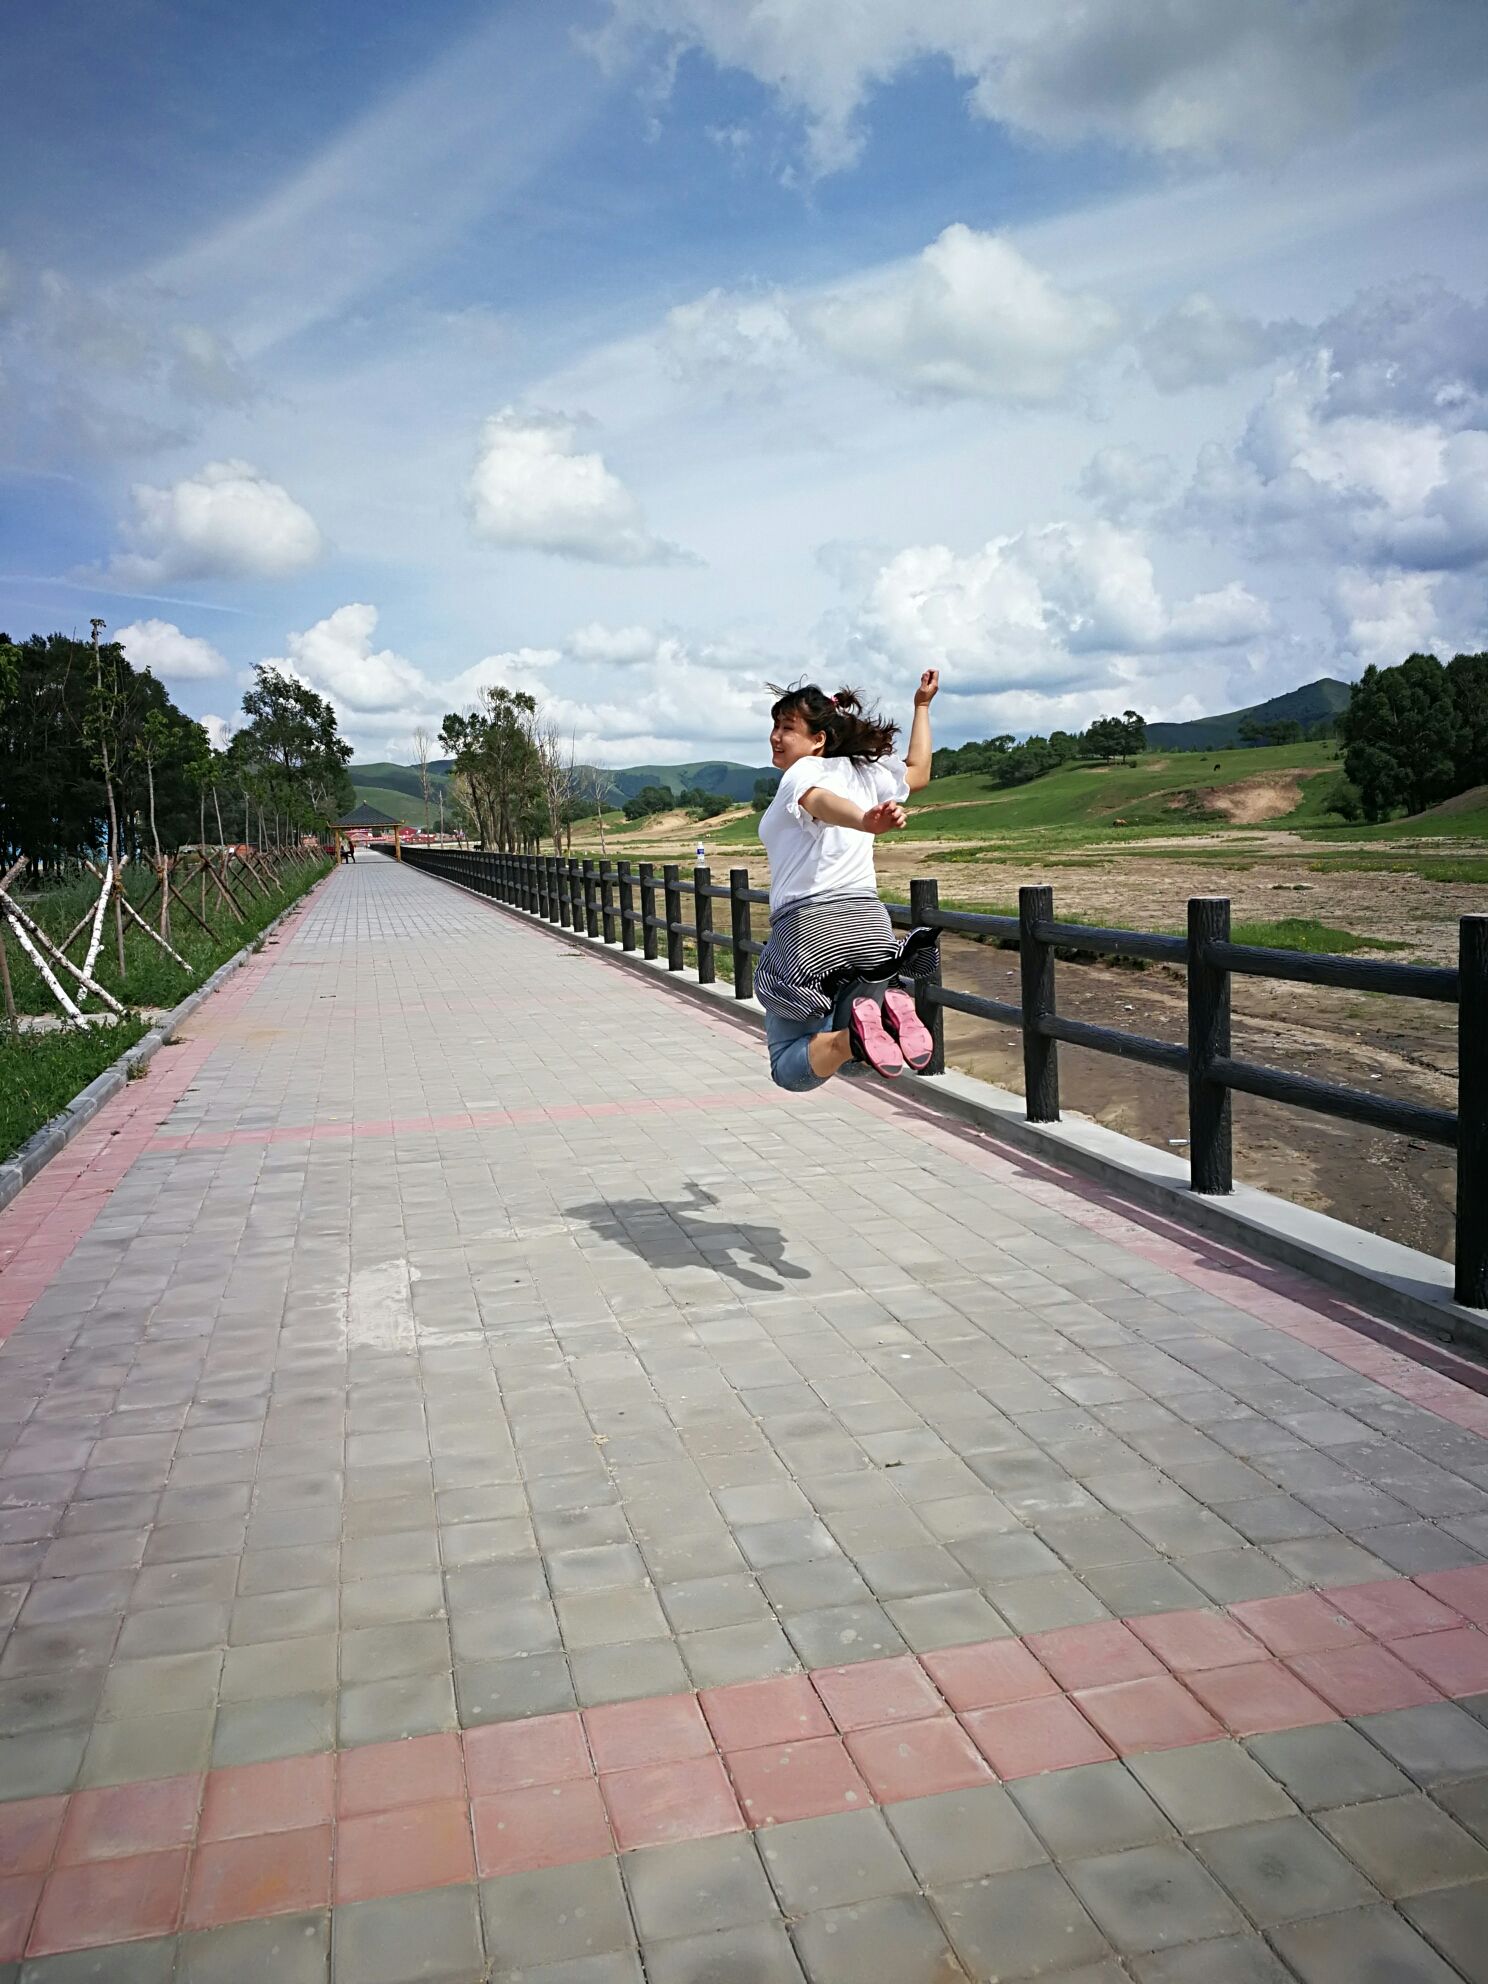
(1455, 1660)
(748, 1716)
(284, 1796)
(698, 1885)
(1210, 1785)
(387, 1711)
(1390, 1608)
(110, 1901)
(830, 1635)
(1465, 1590)
(558, 1915)
(806, 1780)
(1406, 1846)
(961, 1835)
(281, 1873)
(548, 1825)
(827, 1863)
(917, 1759)
(1097, 1808)
(1020, 1739)
(1258, 1696)
(1152, 1714)
(1328, 1765)
(1364, 1942)
(662, 1803)
(379, 1777)
(409, 1939)
(123, 1819)
(1280, 1869)
(873, 1692)
(282, 1726)
(403, 1851)
(1229, 1960)
(1431, 1744)
(1191, 1642)
(1153, 1897)
(1298, 1622)
(973, 1677)
(289, 1949)
(895, 1940)
(760, 1953)
(665, 1730)
(29, 1829)
(1094, 1655)
(509, 1756)
(1025, 1923)
(501, 1690)
(1453, 1920)
(626, 1673)
(1363, 1680)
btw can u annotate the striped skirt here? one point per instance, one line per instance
(815, 947)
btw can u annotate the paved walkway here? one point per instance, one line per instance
(491, 1489)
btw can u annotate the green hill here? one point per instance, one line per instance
(730, 781)
(1314, 702)
(397, 778)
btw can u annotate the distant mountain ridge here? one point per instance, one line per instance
(1314, 702)
(382, 785)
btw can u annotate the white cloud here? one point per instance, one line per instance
(619, 646)
(207, 371)
(228, 521)
(1374, 490)
(744, 341)
(970, 316)
(169, 654)
(1048, 610)
(1187, 77)
(336, 657)
(219, 731)
(1383, 620)
(1121, 482)
(1202, 343)
(1409, 348)
(533, 489)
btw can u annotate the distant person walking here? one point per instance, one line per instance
(842, 786)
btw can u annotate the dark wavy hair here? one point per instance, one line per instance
(851, 730)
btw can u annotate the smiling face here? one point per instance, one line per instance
(791, 738)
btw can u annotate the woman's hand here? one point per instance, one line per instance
(929, 686)
(884, 819)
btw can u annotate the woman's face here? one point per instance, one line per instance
(791, 738)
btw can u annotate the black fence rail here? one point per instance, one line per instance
(618, 903)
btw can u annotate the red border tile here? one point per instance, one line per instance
(988, 1675)
(109, 1901)
(666, 1729)
(1454, 1661)
(902, 1760)
(1465, 1590)
(514, 1756)
(1363, 1680)
(19, 1894)
(404, 1851)
(1297, 1622)
(546, 1825)
(789, 1781)
(1024, 1739)
(381, 1777)
(1154, 1714)
(29, 1830)
(1259, 1697)
(291, 1794)
(1095, 1655)
(120, 1821)
(1191, 1642)
(872, 1692)
(662, 1803)
(1391, 1608)
(272, 1873)
(752, 1714)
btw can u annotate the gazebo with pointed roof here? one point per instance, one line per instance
(363, 817)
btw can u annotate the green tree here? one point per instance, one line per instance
(290, 755)
(496, 755)
(764, 792)
(650, 799)
(1416, 734)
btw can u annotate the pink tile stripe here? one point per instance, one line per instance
(251, 1841)
(467, 1119)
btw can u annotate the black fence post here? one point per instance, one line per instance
(1036, 963)
(672, 897)
(549, 888)
(739, 923)
(924, 903)
(647, 886)
(1211, 1169)
(702, 917)
(532, 875)
(565, 897)
(627, 906)
(591, 898)
(607, 899)
(1471, 1280)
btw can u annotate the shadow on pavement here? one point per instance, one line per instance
(670, 1235)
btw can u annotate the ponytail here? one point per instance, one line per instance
(851, 730)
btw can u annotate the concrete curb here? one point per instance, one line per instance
(1396, 1283)
(52, 1138)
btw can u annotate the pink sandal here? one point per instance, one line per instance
(908, 1029)
(870, 1042)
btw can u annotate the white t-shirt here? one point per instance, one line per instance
(808, 858)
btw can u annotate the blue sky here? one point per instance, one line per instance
(638, 352)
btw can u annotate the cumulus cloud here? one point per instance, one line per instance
(1202, 343)
(227, 521)
(1383, 620)
(1046, 610)
(533, 488)
(1374, 489)
(1194, 77)
(1413, 349)
(336, 656)
(970, 316)
(745, 341)
(219, 731)
(161, 647)
(1121, 482)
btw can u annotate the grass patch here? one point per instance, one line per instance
(1447, 868)
(151, 978)
(40, 1073)
(1305, 933)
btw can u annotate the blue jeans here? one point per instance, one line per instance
(789, 1042)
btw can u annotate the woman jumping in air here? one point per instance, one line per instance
(842, 785)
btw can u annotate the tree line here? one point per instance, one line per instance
(1414, 735)
(1009, 761)
(96, 757)
(693, 800)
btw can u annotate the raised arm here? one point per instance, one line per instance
(833, 810)
(917, 757)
